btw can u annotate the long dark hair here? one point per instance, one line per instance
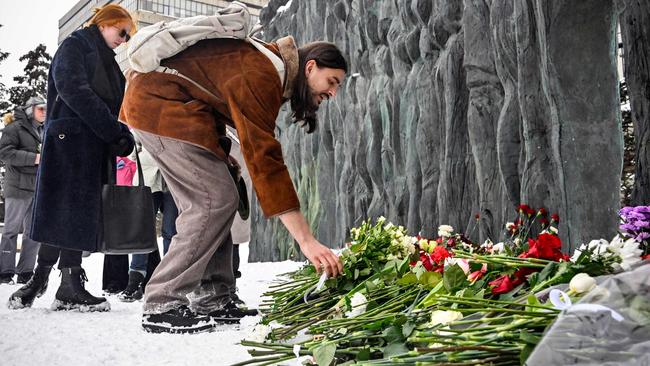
(326, 55)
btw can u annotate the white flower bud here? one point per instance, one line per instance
(582, 283)
(358, 303)
(445, 230)
(445, 317)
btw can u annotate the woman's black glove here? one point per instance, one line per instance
(122, 146)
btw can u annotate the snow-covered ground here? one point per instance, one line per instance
(38, 336)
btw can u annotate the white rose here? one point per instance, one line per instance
(358, 303)
(498, 248)
(582, 283)
(487, 244)
(445, 317)
(259, 333)
(445, 230)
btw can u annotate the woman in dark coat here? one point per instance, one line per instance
(82, 133)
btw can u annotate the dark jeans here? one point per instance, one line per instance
(164, 202)
(48, 255)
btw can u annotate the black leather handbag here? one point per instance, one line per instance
(129, 224)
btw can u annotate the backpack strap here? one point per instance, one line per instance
(169, 70)
(275, 60)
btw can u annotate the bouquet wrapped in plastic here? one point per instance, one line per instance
(608, 326)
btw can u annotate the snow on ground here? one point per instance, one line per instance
(38, 336)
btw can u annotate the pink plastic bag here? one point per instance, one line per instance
(126, 169)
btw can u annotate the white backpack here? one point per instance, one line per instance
(154, 43)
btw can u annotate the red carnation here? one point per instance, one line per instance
(542, 211)
(503, 285)
(543, 221)
(521, 273)
(477, 216)
(546, 246)
(522, 208)
(426, 261)
(439, 254)
(647, 256)
(555, 218)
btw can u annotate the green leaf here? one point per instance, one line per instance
(371, 305)
(480, 294)
(400, 320)
(356, 273)
(324, 353)
(363, 355)
(365, 272)
(529, 338)
(419, 270)
(407, 329)
(378, 324)
(547, 271)
(525, 353)
(392, 265)
(405, 266)
(393, 349)
(430, 299)
(533, 279)
(454, 278)
(475, 266)
(331, 282)
(359, 247)
(348, 286)
(409, 279)
(393, 334)
(511, 295)
(478, 286)
(430, 279)
(532, 300)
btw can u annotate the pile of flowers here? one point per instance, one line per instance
(636, 225)
(414, 300)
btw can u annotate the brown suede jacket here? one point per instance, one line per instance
(250, 97)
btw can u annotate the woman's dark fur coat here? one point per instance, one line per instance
(85, 91)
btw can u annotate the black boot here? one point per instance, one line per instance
(241, 305)
(73, 295)
(24, 277)
(181, 320)
(133, 290)
(35, 287)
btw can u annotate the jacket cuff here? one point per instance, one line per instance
(276, 193)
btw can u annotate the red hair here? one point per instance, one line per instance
(110, 15)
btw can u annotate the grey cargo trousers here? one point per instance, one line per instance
(197, 269)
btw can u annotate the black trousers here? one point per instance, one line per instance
(48, 256)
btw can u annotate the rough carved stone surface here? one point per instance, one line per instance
(635, 31)
(458, 107)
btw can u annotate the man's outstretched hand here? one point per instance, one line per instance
(322, 258)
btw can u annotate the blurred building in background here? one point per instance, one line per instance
(147, 12)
